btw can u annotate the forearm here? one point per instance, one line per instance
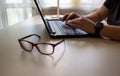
(93, 16)
(110, 31)
(98, 15)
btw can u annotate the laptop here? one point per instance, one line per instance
(57, 28)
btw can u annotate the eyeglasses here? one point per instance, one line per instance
(43, 48)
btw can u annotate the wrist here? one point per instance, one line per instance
(89, 28)
(98, 27)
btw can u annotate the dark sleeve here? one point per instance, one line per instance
(107, 4)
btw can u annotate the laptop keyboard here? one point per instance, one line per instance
(65, 28)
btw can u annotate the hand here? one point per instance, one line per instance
(82, 23)
(76, 22)
(69, 16)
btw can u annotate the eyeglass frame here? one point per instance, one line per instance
(35, 44)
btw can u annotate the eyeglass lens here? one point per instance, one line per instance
(27, 46)
(45, 48)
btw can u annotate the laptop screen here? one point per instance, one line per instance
(40, 7)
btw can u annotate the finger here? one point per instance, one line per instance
(70, 16)
(65, 16)
(73, 22)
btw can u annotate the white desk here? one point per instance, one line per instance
(79, 56)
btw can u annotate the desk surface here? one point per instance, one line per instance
(74, 57)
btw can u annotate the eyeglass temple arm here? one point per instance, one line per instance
(60, 42)
(30, 36)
